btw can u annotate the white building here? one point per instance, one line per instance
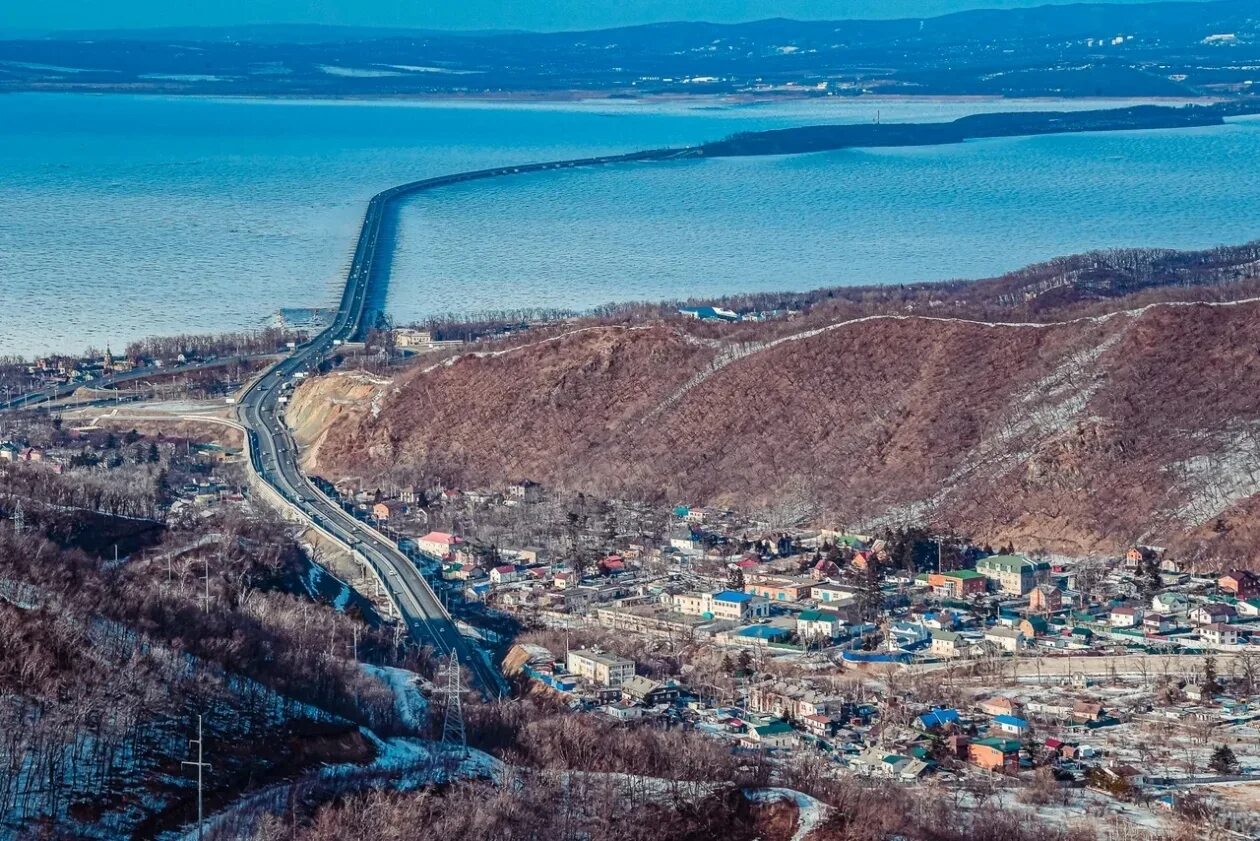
(735, 606)
(597, 667)
(813, 624)
(947, 644)
(1007, 639)
(1126, 617)
(1219, 633)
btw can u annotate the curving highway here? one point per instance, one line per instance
(274, 456)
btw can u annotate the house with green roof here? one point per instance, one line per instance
(1033, 626)
(958, 583)
(812, 624)
(1249, 608)
(947, 643)
(995, 754)
(1012, 574)
(772, 734)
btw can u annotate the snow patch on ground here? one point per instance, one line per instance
(411, 706)
(810, 810)
(1215, 483)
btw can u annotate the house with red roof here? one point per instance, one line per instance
(504, 574)
(1239, 583)
(439, 544)
(612, 565)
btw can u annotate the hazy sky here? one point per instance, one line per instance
(458, 14)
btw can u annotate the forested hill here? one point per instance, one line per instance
(972, 127)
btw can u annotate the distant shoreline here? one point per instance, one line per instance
(597, 97)
(825, 138)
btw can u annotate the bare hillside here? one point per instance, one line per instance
(1076, 436)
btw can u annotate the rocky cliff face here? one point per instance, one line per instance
(1076, 436)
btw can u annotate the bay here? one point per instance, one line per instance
(124, 216)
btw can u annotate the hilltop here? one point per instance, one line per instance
(1065, 408)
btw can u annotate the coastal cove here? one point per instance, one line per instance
(284, 239)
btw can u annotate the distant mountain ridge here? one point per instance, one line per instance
(274, 33)
(1173, 49)
(1049, 19)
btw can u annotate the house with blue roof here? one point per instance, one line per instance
(1011, 725)
(735, 605)
(937, 719)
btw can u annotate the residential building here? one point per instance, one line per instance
(1170, 603)
(734, 605)
(785, 699)
(1218, 633)
(1239, 583)
(648, 692)
(600, 668)
(1012, 574)
(1126, 617)
(407, 337)
(1157, 623)
(1045, 598)
(815, 624)
(623, 711)
(908, 633)
(612, 565)
(820, 725)
(1087, 711)
(958, 583)
(1006, 639)
(824, 570)
(995, 754)
(998, 705)
(1011, 725)
(1032, 627)
(525, 491)
(504, 574)
(779, 589)
(700, 516)
(1213, 613)
(1136, 555)
(947, 644)
(439, 544)
(685, 540)
(1250, 608)
(938, 719)
(775, 734)
(832, 594)
(1121, 778)
(388, 509)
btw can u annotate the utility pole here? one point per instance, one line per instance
(205, 598)
(19, 519)
(201, 766)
